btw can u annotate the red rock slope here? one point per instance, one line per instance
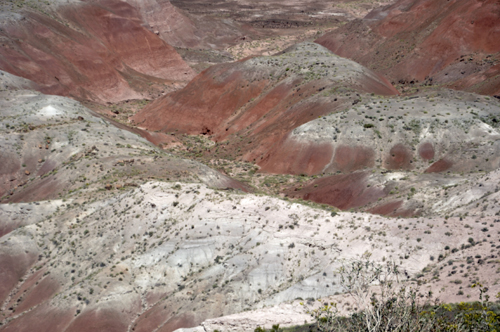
(450, 42)
(99, 52)
(253, 105)
(181, 29)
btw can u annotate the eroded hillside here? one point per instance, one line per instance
(160, 199)
(88, 51)
(249, 107)
(426, 42)
(169, 255)
(53, 145)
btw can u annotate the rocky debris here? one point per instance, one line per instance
(284, 315)
(124, 161)
(92, 151)
(279, 14)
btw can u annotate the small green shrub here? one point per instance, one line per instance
(384, 303)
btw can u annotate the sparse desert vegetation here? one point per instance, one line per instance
(207, 166)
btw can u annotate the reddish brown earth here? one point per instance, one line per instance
(13, 267)
(43, 318)
(24, 290)
(94, 52)
(204, 104)
(426, 151)
(290, 158)
(450, 42)
(50, 318)
(393, 209)
(343, 191)
(268, 144)
(250, 107)
(42, 292)
(399, 157)
(352, 158)
(387, 208)
(151, 319)
(101, 319)
(439, 166)
(359, 190)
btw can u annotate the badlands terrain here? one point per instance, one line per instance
(211, 164)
